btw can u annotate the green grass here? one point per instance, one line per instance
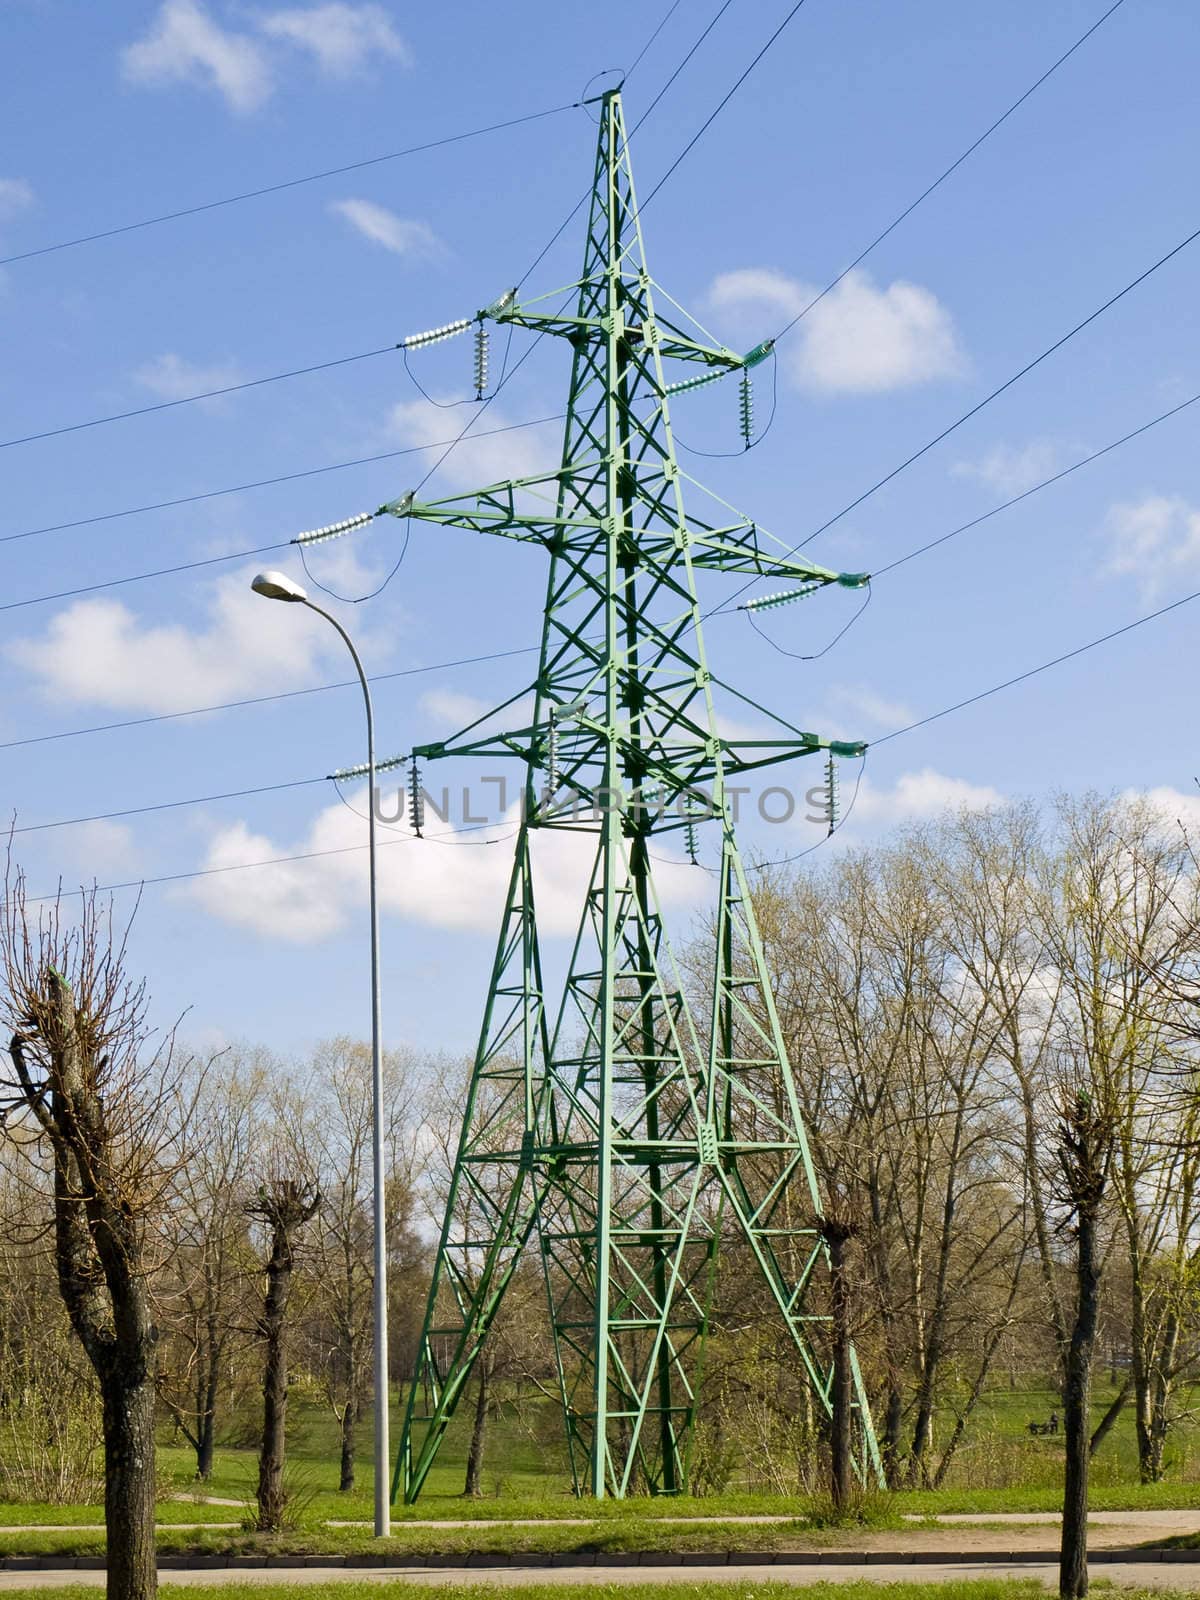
(608, 1535)
(999, 1468)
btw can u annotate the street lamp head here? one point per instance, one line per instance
(277, 586)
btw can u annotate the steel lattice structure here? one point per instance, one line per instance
(620, 1134)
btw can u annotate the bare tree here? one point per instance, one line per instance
(210, 1252)
(515, 1347)
(331, 1130)
(107, 1122)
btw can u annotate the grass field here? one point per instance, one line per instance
(1000, 1468)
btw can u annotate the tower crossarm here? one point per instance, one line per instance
(507, 508)
(739, 548)
(682, 767)
(504, 509)
(662, 335)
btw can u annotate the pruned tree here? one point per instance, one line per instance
(1083, 1146)
(839, 1229)
(106, 1117)
(283, 1207)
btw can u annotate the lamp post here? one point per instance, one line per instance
(278, 586)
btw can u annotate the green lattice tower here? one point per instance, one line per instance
(621, 1135)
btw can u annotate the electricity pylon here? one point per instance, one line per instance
(620, 1136)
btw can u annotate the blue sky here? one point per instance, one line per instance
(124, 111)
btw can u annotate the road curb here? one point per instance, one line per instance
(482, 1561)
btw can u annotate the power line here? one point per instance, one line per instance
(263, 699)
(240, 555)
(922, 722)
(673, 8)
(974, 522)
(270, 861)
(265, 483)
(1036, 488)
(289, 183)
(210, 394)
(141, 577)
(728, 608)
(190, 399)
(1033, 672)
(272, 788)
(683, 63)
(952, 168)
(721, 104)
(979, 406)
(584, 198)
(1006, 385)
(169, 805)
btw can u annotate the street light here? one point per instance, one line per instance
(278, 586)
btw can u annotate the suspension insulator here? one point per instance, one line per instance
(552, 760)
(482, 341)
(746, 409)
(416, 798)
(691, 839)
(831, 794)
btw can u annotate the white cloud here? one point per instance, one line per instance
(341, 38)
(918, 796)
(1173, 805)
(446, 885)
(1009, 470)
(1155, 541)
(15, 196)
(173, 378)
(99, 652)
(185, 45)
(101, 849)
(453, 709)
(859, 339)
(876, 709)
(401, 236)
(474, 462)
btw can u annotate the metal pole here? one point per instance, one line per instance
(383, 1508)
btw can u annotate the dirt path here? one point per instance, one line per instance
(1123, 1574)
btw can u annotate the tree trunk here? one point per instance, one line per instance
(841, 1457)
(473, 1487)
(1077, 1390)
(918, 1464)
(1104, 1426)
(838, 1234)
(207, 1431)
(205, 1445)
(287, 1207)
(98, 1247)
(893, 1419)
(129, 1486)
(1139, 1343)
(348, 1420)
(1160, 1416)
(271, 1497)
